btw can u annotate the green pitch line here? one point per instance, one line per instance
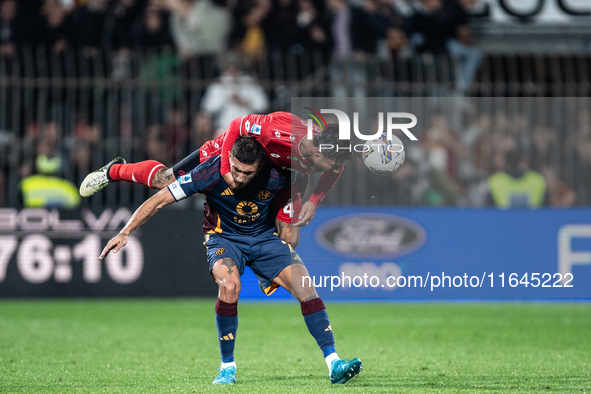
(155, 346)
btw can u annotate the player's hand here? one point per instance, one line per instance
(114, 244)
(229, 180)
(306, 214)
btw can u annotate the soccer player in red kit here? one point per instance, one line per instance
(284, 139)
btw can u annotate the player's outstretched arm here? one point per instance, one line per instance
(140, 216)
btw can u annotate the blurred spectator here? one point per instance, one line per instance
(199, 27)
(429, 27)
(202, 130)
(57, 26)
(89, 28)
(177, 133)
(438, 29)
(344, 69)
(314, 28)
(442, 150)
(234, 95)
(461, 45)
(543, 140)
(247, 35)
(49, 149)
(559, 193)
(84, 146)
(161, 63)
(517, 186)
(152, 33)
(81, 159)
(394, 33)
(124, 15)
(9, 29)
(156, 147)
(356, 33)
(281, 26)
(46, 190)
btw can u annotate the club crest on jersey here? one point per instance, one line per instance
(255, 129)
(264, 194)
(220, 251)
(186, 178)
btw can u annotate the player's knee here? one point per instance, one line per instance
(305, 294)
(231, 288)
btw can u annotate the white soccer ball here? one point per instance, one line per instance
(383, 156)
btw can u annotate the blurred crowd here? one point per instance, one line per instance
(494, 159)
(336, 31)
(205, 58)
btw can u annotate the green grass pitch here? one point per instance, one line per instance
(164, 346)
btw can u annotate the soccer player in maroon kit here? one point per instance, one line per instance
(284, 139)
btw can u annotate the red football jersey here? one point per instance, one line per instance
(280, 134)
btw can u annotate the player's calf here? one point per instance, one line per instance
(142, 172)
(316, 317)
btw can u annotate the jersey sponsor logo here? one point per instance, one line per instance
(220, 251)
(255, 129)
(247, 208)
(186, 179)
(275, 155)
(264, 194)
(228, 192)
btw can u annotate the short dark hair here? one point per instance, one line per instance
(247, 150)
(340, 151)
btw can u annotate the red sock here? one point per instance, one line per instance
(141, 172)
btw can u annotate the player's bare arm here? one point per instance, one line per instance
(139, 217)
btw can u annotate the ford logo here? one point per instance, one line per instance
(370, 234)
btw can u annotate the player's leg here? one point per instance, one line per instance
(149, 172)
(287, 232)
(227, 277)
(285, 217)
(274, 258)
(226, 266)
(296, 279)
